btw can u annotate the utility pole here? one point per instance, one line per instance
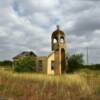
(87, 55)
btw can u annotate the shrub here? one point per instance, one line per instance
(25, 64)
(75, 61)
(6, 63)
(93, 66)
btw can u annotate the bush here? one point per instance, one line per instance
(5, 63)
(75, 61)
(25, 64)
(93, 66)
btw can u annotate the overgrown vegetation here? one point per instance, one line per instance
(81, 85)
(92, 67)
(75, 61)
(6, 63)
(25, 64)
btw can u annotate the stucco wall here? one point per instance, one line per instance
(50, 59)
(44, 64)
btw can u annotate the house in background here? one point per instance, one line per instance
(24, 54)
(55, 62)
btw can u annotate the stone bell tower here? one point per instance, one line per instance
(59, 48)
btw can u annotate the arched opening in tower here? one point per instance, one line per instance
(63, 61)
(55, 40)
(62, 39)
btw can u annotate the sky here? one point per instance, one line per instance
(27, 25)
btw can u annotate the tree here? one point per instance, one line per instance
(6, 64)
(25, 64)
(75, 61)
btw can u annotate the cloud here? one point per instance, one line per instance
(28, 24)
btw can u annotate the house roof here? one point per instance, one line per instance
(25, 53)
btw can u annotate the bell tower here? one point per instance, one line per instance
(58, 42)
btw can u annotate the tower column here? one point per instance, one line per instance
(58, 62)
(59, 66)
(59, 48)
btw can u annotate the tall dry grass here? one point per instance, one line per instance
(82, 85)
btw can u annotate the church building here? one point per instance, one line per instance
(56, 62)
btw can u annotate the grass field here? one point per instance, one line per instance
(81, 85)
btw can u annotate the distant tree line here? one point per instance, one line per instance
(76, 62)
(6, 63)
(27, 64)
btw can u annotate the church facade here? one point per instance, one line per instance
(56, 62)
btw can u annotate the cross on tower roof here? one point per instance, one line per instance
(58, 27)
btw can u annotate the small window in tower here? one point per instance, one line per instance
(54, 40)
(61, 40)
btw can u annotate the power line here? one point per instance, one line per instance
(90, 54)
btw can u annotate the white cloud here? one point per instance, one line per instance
(40, 19)
(28, 24)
